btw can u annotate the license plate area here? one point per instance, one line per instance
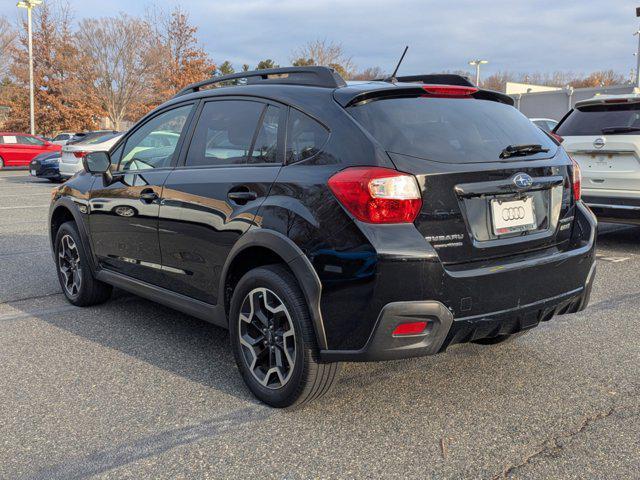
(513, 216)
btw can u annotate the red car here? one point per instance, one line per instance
(18, 149)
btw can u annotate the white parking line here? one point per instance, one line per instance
(23, 206)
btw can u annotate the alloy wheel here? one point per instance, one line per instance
(69, 265)
(267, 338)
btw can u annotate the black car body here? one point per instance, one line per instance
(46, 165)
(184, 233)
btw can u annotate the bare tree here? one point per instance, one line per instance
(7, 36)
(322, 52)
(370, 73)
(121, 57)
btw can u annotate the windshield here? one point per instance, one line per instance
(449, 130)
(593, 119)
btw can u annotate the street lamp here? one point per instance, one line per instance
(29, 5)
(477, 63)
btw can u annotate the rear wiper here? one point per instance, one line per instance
(620, 129)
(522, 150)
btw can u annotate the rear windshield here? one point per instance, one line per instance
(448, 130)
(591, 120)
(99, 139)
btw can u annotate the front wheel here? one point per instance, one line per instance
(273, 340)
(72, 263)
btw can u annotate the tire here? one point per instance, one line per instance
(72, 265)
(1, 163)
(500, 338)
(287, 372)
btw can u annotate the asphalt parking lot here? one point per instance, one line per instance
(130, 389)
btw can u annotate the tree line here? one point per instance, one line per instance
(123, 66)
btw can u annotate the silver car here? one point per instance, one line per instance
(603, 135)
(71, 159)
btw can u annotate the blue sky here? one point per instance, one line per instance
(514, 35)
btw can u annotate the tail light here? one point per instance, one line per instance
(576, 180)
(556, 137)
(79, 154)
(377, 195)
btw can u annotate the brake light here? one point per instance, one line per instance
(557, 137)
(79, 154)
(449, 90)
(576, 180)
(411, 328)
(377, 195)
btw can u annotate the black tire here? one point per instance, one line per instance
(307, 379)
(1, 163)
(89, 291)
(500, 338)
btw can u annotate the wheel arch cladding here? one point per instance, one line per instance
(259, 247)
(60, 215)
(66, 211)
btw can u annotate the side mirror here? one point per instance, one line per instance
(97, 162)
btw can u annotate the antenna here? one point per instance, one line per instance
(392, 78)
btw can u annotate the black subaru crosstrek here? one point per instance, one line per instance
(322, 221)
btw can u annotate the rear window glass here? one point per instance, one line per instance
(591, 120)
(448, 130)
(99, 139)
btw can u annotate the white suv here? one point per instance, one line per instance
(603, 135)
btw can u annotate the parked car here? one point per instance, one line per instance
(546, 124)
(62, 138)
(18, 149)
(46, 165)
(603, 135)
(72, 153)
(324, 222)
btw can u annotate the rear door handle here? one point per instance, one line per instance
(148, 195)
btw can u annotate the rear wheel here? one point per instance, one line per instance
(273, 339)
(76, 279)
(1, 163)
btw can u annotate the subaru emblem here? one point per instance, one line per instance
(522, 180)
(599, 142)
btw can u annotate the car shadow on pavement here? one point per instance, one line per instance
(614, 236)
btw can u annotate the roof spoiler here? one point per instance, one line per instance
(315, 76)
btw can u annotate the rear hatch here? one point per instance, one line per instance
(605, 141)
(476, 205)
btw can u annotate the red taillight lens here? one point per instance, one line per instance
(557, 137)
(449, 90)
(576, 180)
(377, 195)
(411, 328)
(79, 154)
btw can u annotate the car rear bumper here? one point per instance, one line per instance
(520, 295)
(615, 209)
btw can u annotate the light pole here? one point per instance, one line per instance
(29, 5)
(638, 52)
(477, 63)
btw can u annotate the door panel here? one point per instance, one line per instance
(206, 208)
(123, 221)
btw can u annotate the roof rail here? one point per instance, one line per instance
(315, 76)
(435, 79)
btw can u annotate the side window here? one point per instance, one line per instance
(305, 138)
(224, 133)
(265, 148)
(154, 144)
(25, 140)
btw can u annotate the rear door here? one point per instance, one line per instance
(476, 205)
(211, 199)
(604, 141)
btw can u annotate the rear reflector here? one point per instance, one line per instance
(412, 328)
(449, 90)
(377, 195)
(576, 180)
